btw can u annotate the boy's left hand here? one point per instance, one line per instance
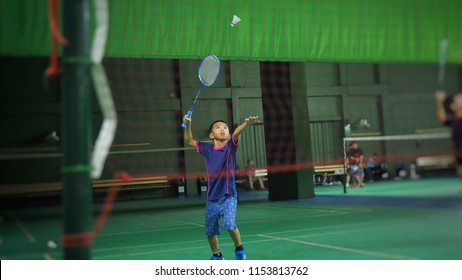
(440, 95)
(252, 120)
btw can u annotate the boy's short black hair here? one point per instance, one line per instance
(447, 104)
(352, 143)
(217, 121)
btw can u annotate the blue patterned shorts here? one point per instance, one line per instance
(225, 208)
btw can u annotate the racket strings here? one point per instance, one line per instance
(209, 70)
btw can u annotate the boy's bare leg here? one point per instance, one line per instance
(213, 242)
(235, 236)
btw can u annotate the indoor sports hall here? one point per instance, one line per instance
(346, 116)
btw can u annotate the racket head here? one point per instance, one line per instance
(209, 69)
(442, 61)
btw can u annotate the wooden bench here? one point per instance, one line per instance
(330, 170)
(435, 162)
(136, 183)
(262, 172)
(322, 173)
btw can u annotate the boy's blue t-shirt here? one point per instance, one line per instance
(456, 125)
(220, 163)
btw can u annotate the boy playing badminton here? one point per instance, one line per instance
(455, 107)
(220, 160)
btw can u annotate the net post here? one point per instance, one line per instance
(344, 166)
(76, 87)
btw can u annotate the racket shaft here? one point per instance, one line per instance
(188, 115)
(442, 62)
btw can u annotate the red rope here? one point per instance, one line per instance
(85, 239)
(53, 68)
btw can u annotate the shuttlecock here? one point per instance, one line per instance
(235, 21)
(52, 245)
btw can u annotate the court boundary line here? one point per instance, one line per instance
(345, 249)
(23, 228)
(282, 218)
(201, 240)
(268, 238)
(227, 243)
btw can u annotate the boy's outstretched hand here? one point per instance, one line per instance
(186, 120)
(440, 95)
(252, 120)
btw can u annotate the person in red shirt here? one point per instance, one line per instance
(354, 164)
(250, 171)
(454, 106)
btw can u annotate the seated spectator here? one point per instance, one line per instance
(250, 171)
(373, 170)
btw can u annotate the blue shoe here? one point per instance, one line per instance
(240, 254)
(215, 258)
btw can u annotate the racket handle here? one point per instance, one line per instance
(188, 115)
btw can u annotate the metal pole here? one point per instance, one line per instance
(76, 125)
(344, 167)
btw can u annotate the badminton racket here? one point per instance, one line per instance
(442, 63)
(208, 71)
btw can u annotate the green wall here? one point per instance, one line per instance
(332, 30)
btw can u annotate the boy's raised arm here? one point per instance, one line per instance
(440, 96)
(187, 132)
(241, 127)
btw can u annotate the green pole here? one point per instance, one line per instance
(77, 192)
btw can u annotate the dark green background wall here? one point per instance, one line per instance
(151, 95)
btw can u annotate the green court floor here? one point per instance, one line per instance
(362, 224)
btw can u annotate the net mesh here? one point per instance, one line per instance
(314, 73)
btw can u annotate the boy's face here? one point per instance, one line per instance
(456, 105)
(220, 131)
(354, 146)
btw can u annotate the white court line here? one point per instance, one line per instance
(291, 217)
(309, 207)
(340, 211)
(323, 233)
(206, 246)
(247, 221)
(283, 218)
(143, 231)
(23, 228)
(345, 249)
(202, 240)
(181, 221)
(296, 204)
(306, 229)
